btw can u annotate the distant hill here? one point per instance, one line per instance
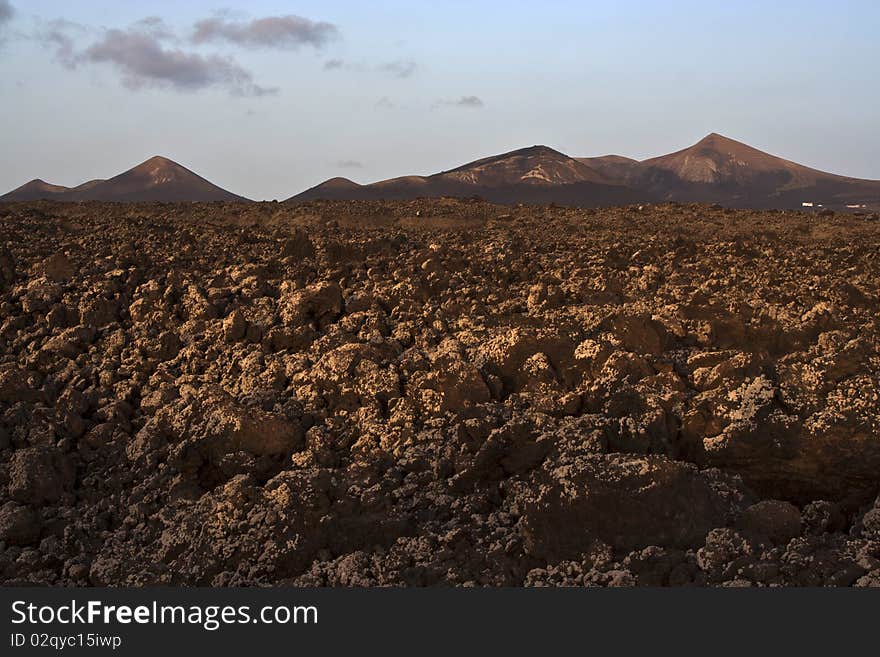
(537, 165)
(718, 169)
(35, 190)
(537, 174)
(715, 170)
(612, 167)
(157, 179)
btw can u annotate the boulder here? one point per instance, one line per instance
(7, 268)
(320, 303)
(298, 246)
(38, 475)
(627, 502)
(58, 268)
(19, 525)
(775, 520)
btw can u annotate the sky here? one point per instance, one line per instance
(267, 98)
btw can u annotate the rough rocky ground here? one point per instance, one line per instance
(437, 393)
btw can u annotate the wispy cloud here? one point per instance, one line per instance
(289, 32)
(156, 27)
(469, 101)
(402, 68)
(399, 69)
(7, 11)
(465, 102)
(57, 34)
(385, 103)
(350, 164)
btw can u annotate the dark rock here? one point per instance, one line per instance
(39, 475)
(19, 525)
(776, 520)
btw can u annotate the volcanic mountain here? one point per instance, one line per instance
(529, 175)
(715, 170)
(612, 167)
(719, 169)
(157, 179)
(35, 190)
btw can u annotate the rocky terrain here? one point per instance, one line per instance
(438, 392)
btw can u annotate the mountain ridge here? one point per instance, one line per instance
(724, 170)
(535, 174)
(156, 179)
(715, 169)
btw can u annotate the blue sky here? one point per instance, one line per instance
(393, 88)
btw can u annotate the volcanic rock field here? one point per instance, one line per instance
(438, 392)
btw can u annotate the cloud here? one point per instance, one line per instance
(151, 54)
(465, 102)
(350, 164)
(385, 103)
(399, 69)
(6, 13)
(289, 32)
(402, 68)
(155, 27)
(57, 35)
(144, 62)
(143, 58)
(469, 101)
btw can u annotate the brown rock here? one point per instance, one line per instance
(38, 475)
(627, 502)
(298, 246)
(779, 521)
(217, 425)
(640, 333)
(58, 268)
(7, 268)
(235, 326)
(871, 525)
(19, 525)
(545, 297)
(320, 303)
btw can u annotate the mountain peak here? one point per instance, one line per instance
(39, 183)
(34, 190)
(715, 140)
(339, 182)
(158, 171)
(156, 179)
(158, 161)
(718, 160)
(536, 165)
(537, 149)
